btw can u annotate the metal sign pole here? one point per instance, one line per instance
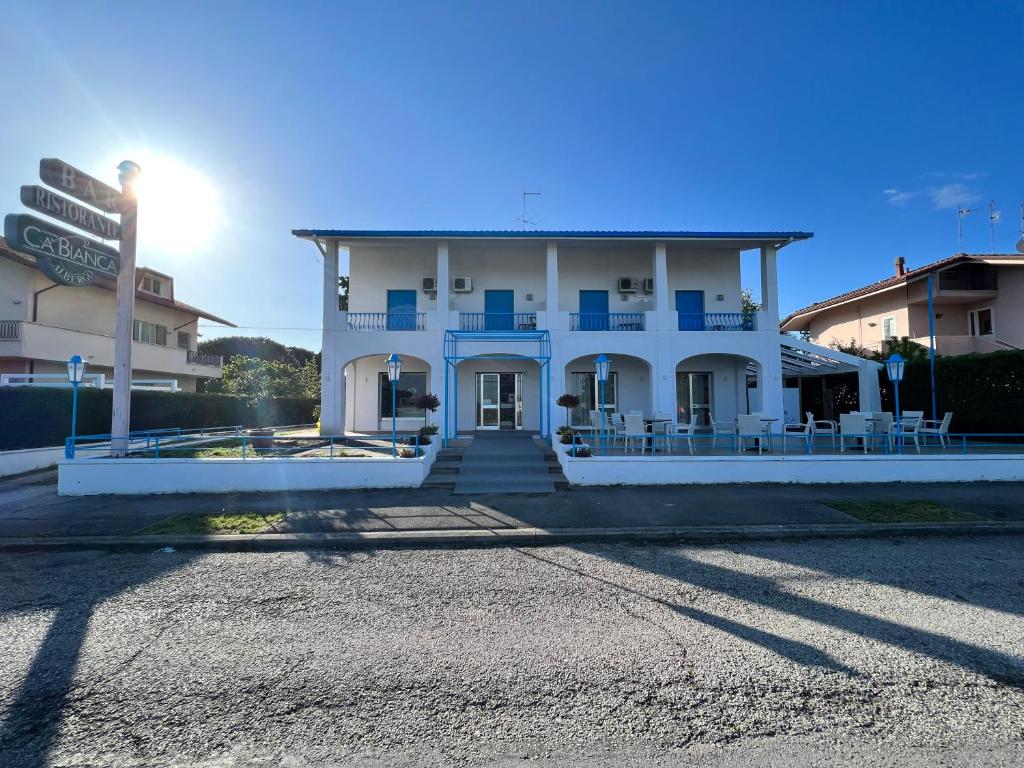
(121, 413)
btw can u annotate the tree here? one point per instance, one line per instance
(908, 349)
(568, 402)
(748, 303)
(343, 296)
(261, 380)
(428, 403)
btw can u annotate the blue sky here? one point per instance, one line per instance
(867, 123)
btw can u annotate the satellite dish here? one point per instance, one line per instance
(1020, 245)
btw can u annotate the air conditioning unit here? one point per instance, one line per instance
(430, 285)
(462, 284)
(627, 285)
(648, 285)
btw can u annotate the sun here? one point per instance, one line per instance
(179, 207)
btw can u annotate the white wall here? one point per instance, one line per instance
(518, 266)
(467, 389)
(634, 381)
(28, 459)
(374, 270)
(598, 267)
(729, 382)
(715, 271)
(362, 394)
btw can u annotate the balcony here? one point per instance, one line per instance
(10, 330)
(497, 321)
(195, 358)
(716, 321)
(387, 321)
(606, 321)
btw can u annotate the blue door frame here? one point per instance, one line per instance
(401, 311)
(499, 310)
(690, 307)
(593, 311)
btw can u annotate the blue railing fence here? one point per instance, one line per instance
(387, 321)
(716, 321)
(606, 321)
(498, 321)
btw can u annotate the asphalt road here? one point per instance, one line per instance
(862, 652)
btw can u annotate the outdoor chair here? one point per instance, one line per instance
(824, 427)
(853, 426)
(750, 427)
(882, 424)
(722, 427)
(939, 429)
(908, 425)
(635, 430)
(686, 430)
(595, 422)
(804, 431)
(618, 426)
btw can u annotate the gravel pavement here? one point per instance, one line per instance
(850, 652)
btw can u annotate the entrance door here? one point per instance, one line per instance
(499, 401)
(693, 397)
(690, 307)
(593, 311)
(499, 309)
(401, 311)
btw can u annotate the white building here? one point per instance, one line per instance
(499, 324)
(42, 324)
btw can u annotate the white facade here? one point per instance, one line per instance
(652, 346)
(42, 324)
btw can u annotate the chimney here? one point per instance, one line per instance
(901, 266)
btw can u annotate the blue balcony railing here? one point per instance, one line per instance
(716, 321)
(497, 321)
(607, 321)
(387, 321)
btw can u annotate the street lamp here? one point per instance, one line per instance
(76, 372)
(394, 371)
(894, 368)
(601, 366)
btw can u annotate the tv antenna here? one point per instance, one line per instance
(522, 219)
(960, 213)
(993, 217)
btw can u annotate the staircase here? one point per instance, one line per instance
(504, 462)
(445, 469)
(554, 468)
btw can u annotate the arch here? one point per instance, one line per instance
(630, 386)
(528, 412)
(367, 409)
(714, 386)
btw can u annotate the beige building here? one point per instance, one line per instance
(42, 324)
(978, 302)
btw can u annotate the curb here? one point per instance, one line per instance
(287, 542)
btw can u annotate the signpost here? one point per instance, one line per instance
(64, 256)
(69, 258)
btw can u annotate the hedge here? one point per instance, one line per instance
(984, 392)
(35, 417)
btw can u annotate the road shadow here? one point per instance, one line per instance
(62, 582)
(675, 565)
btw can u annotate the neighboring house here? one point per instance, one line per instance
(42, 324)
(978, 304)
(499, 324)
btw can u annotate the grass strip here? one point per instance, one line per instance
(239, 522)
(901, 511)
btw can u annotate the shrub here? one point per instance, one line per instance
(429, 429)
(569, 436)
(408, 453)
(36, 417)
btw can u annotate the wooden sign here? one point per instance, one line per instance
(70, 212)
(76, 183)
(65, 257)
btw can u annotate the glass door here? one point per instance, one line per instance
(488, 401)
(693, 397)
(511, 403)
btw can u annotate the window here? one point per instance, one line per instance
(151, 284)
(888, 328)
(982, 322)
(410, 387)
(585, 387)
(184, 340)
(149, 333)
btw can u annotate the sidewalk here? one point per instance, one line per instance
(30, 509)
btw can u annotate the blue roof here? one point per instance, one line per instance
(545, 234)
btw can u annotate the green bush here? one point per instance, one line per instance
(984, 392)
(35, 417)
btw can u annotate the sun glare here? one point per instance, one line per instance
(179, 208)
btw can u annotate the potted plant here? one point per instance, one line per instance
(429, 403)
(409, 453)
(426, 433)
(568, 402)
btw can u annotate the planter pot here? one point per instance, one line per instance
(261, 438)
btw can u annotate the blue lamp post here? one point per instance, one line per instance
(394, 371)
(601, 366)
(894, 368)
(76, 372)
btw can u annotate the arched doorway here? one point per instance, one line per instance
(716, 387)
(498, 392)
(368, 394)
(628, 387)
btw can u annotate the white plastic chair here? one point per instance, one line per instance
(634, 430)
(909, 424)
(824, 427)
(853, 426)
(804, 431)
(749, 426)
(686, 430)
(939, 429)
(722, 428)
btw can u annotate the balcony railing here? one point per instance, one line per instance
(191, 356)
(10, 330)
(716, 321)
(387, 321)
(497, 321)
(607, 321)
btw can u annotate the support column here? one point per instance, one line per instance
(770, 384)
(869, 395)
(551, 299)
(662, 302)
(770, 288)
(443, 286)
(332, 379)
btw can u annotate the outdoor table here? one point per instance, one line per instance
(649, 427)
(769, 420)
